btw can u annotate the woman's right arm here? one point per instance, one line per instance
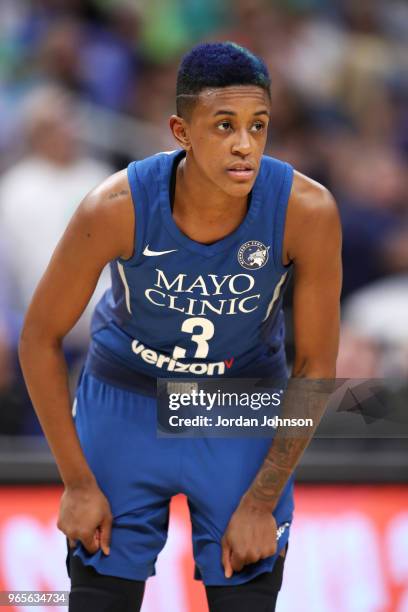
(101, 230)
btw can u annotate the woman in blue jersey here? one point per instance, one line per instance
(201, 242)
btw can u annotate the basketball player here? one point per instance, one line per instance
(201, 242)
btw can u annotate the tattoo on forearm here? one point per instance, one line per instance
(277, 468)
(309, 399)
(285, 451)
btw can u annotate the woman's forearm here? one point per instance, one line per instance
(46, 377)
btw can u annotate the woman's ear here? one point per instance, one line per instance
(180, 130)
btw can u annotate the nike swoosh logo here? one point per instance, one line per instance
(150, 253)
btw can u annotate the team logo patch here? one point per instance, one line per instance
(253, 255)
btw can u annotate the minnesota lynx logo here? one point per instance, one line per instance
(253, 255)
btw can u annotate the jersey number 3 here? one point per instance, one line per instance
(207, 332)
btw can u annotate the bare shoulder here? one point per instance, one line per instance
(312, 215)
(112, 197)
(108, 212)
(310, 199)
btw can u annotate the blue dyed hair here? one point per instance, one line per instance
(217, 65)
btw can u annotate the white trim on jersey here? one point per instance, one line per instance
(126, 286)
(275, 296)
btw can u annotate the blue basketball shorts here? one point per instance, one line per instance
(139, 473)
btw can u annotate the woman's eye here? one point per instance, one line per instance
(224, 126)
(257, 127)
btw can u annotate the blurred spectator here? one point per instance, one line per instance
(40, 193)
(154, 98)
(370, 184)
(58, 54)
(375, 342)
(359, 356)
(72, 54)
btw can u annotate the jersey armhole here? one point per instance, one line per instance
(138, 196)
(280, 217)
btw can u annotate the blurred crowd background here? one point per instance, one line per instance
(88, 85)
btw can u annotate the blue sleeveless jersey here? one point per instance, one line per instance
(184, 309)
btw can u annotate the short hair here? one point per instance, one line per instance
(217, 65)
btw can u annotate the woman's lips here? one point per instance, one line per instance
(241, 174)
